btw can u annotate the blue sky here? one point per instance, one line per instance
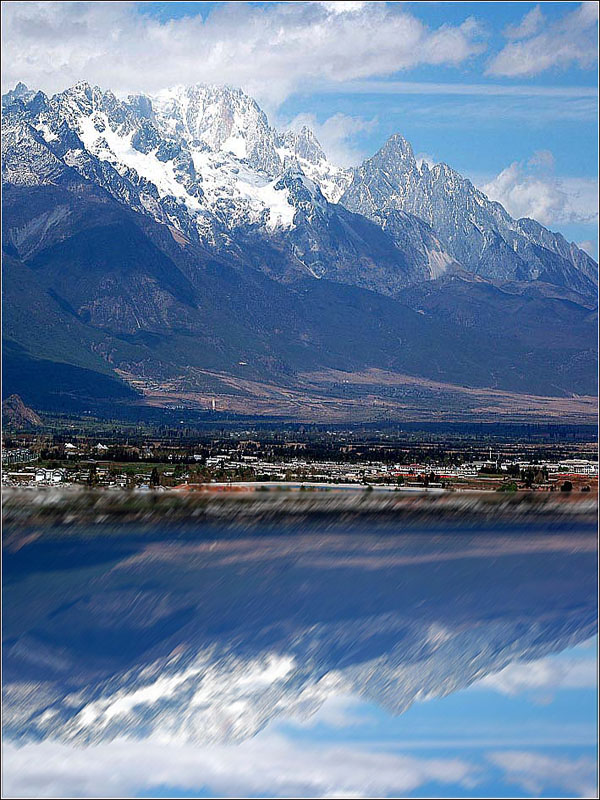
(485, 87)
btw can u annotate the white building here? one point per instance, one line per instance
(43, 475)
(578, 466)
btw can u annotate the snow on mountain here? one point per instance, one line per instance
(205, 160)
(223, 119)
(203, 149)
(303, 149)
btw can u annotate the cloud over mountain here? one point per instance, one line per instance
(269, 51)
(531, 189)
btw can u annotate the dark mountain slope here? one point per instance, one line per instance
(116, 290)
(540, 334)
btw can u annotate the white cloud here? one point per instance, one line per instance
(535, 772)
(270, 764)
(344, 6)
(571, 40)
(530, 189)
(270, 51)
(425, 158)
(543, 674)
(336, 135)
(530, 24)
(589, 246)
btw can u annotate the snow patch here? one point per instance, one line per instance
(48, 135)
(281, 212)
(235, 145)
(109, 146)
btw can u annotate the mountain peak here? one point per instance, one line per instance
(304, 144)
(21, 93)
(476, 232)
(20, 90)
(83, 88)
(397, 145)
(221, 117)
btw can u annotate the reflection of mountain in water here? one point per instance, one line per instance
(212, 640)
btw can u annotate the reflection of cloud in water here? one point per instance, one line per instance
(543, 673)
(211, 641)
(266, 766)
(534, 772)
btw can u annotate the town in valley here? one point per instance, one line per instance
(247, 458)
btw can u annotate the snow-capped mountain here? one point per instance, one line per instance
(185, 219)
(205, 160)
(193, 152)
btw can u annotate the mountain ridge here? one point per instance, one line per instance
(217, 230)
(208, 153)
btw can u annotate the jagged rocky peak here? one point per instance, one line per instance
(22, 98)
(397, 148)
(474, 230)
(81, 97)
(20, 92)
(223, 119)
(301, 147)
(84, 100)
(303, 144)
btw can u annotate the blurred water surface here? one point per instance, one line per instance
(357, 660)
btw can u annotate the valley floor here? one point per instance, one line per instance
(369, 396)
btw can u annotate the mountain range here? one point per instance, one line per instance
(174, 250)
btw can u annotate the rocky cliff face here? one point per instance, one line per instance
(16, 414)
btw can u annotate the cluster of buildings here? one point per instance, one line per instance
(234, 466)
(376, 471)
(18, 455)
(41, 476)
